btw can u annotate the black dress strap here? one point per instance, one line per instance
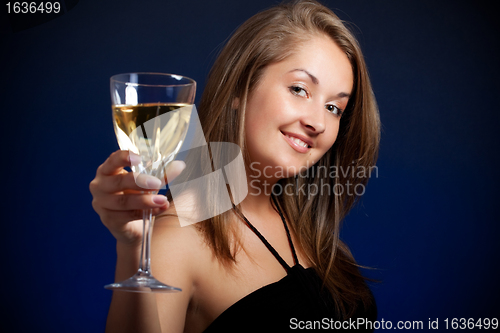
(295, 259)
(264, 240)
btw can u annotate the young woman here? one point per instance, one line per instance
(292, 90)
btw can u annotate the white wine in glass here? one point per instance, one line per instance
(151, 113)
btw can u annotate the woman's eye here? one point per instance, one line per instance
(334, 109)
(298, 91)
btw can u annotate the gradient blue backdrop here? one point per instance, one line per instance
(428, 223)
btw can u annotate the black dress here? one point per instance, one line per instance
(294, 302)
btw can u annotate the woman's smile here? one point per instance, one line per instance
(300, 144)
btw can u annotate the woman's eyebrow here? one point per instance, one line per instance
(315, 80)
(343, 95)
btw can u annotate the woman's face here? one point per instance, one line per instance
(293, 114)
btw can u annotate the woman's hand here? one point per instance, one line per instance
(119, 199)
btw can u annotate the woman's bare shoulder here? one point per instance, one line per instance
(177, 244)
(178, 258)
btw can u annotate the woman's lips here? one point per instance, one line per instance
(297, 143)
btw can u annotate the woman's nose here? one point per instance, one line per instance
(313, 119)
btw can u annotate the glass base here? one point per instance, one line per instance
(142, 282)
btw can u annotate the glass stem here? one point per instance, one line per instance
(148, 220)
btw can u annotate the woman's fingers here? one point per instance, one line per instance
(124, 202)
(135, 201)
(117, 161)
(139, 182)
(120, 197)
(128, 181)
(112, 179)
(117, 211)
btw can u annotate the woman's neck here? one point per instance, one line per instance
(258, 199)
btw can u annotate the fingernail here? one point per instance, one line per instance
(153, 182)
(133, 158)
(159, 199)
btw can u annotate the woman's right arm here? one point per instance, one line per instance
(119, 201)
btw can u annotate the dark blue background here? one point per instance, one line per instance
(428, 223)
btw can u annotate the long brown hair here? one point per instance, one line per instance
(269, 37)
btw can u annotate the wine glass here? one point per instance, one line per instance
(151, 114)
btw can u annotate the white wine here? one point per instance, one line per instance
(154, 131)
